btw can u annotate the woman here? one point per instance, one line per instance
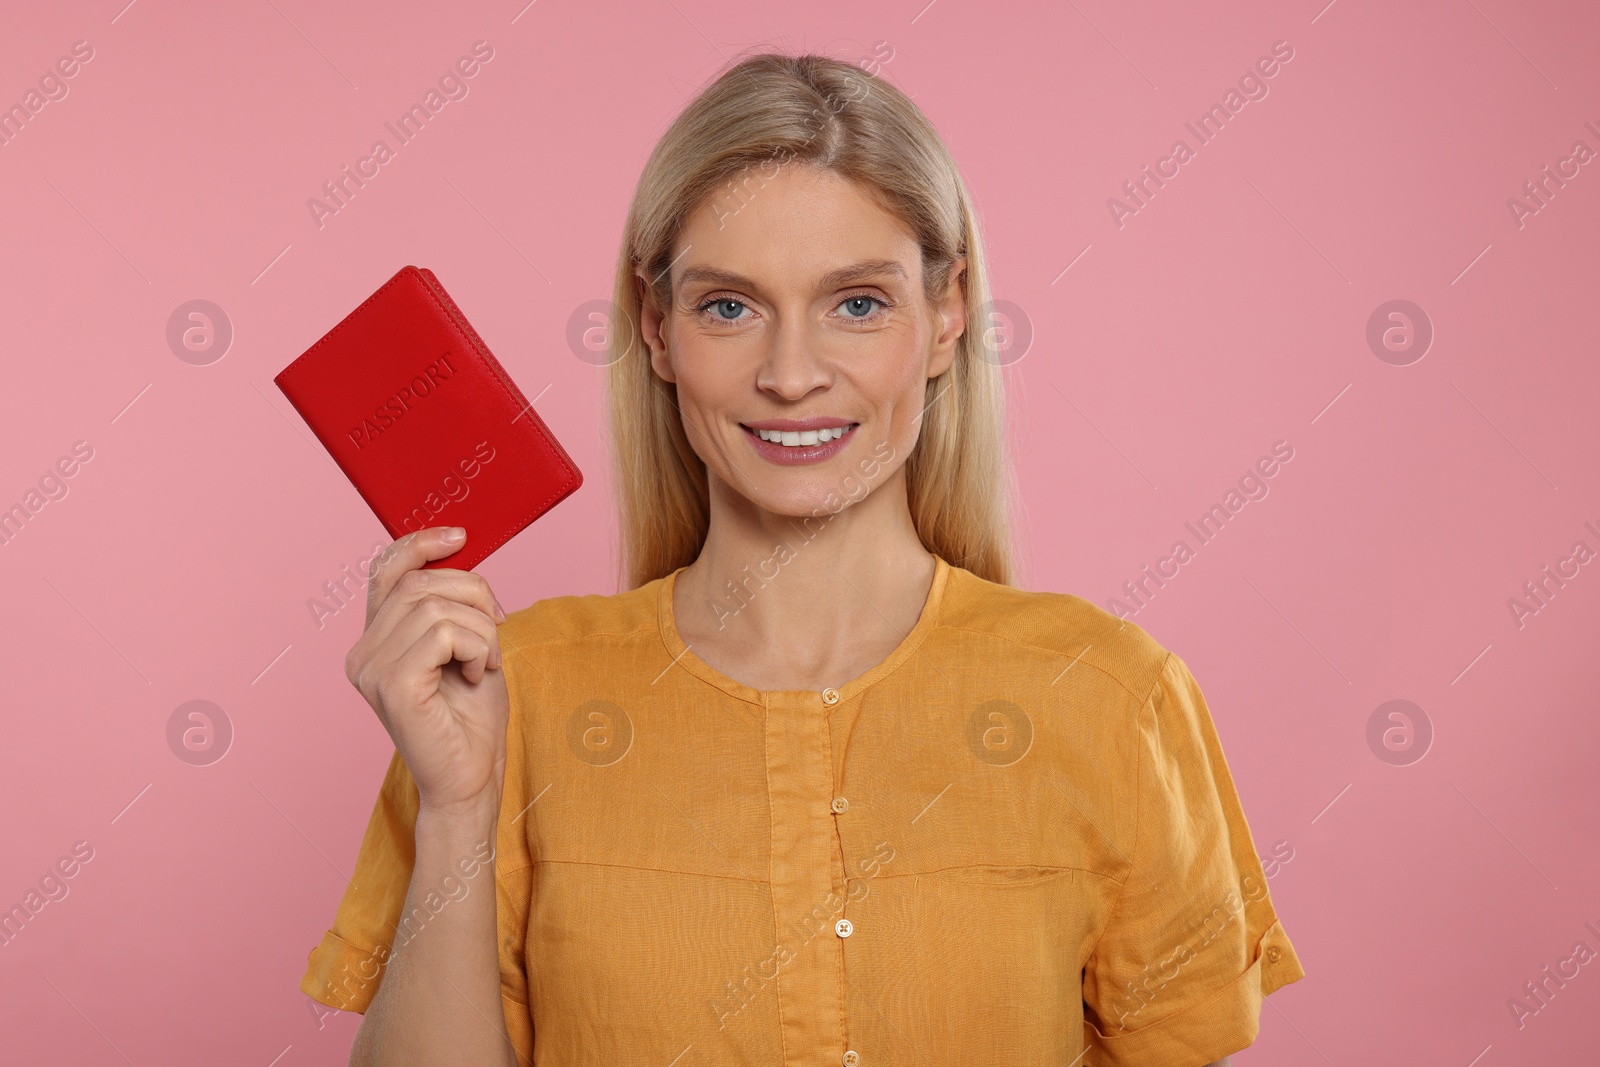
(821, 786)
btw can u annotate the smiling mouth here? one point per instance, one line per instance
(804, 438)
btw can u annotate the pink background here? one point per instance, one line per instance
(1228, 313)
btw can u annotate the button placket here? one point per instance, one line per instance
(806, 866)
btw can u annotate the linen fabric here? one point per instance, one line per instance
(1014, 840)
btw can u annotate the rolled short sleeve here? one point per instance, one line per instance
(345, 969)
(1193, 943)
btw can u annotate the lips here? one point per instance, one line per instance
(805, 438)
(808, 440)
(811, 422)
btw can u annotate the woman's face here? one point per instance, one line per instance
(800, 341)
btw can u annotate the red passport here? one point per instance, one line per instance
(424, 421)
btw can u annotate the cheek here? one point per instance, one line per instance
(706, 379)
(897, 383)
(711, 387)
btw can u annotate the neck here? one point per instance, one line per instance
(804, 602)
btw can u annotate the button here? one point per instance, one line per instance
(1273, 952)
(843, 928)
(830, 697)
(852, 1058)
(840, 805)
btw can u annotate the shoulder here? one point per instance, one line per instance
(1060, 625)
(564, 620)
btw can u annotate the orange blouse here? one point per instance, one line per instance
(1015, 840)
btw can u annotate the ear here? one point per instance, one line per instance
(650, 323)
(951, 318)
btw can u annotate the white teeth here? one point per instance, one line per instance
(802, 438)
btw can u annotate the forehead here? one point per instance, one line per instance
(791, 230)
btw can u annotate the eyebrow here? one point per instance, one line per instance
(855, 272)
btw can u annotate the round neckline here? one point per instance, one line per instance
(683, 654)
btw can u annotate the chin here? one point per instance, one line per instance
(805, 497)
(817, 490)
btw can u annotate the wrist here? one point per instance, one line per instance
(478, 817)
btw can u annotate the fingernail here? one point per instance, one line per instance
(455, 534)
(499, 611)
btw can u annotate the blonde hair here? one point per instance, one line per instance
(769, 110)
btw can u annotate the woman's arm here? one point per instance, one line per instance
(439, 1000)
(429, 664)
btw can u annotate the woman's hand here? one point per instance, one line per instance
(429, 664)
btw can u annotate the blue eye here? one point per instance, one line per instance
(722, 304)
(861, 307)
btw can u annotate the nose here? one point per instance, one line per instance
(791, 366)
